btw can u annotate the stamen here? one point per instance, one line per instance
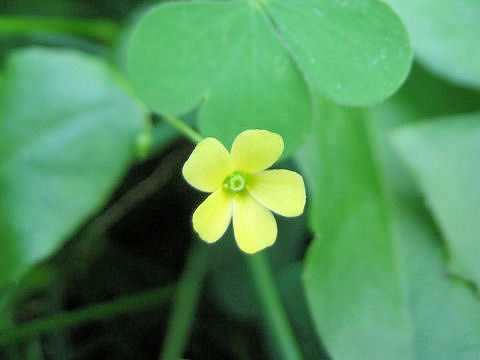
(235, 182)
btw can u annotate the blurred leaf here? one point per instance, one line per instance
(444, 156)
(45, 7)
(228, 58)
(78, 8)
(424, 95)
(12, 42)
(122, 43)
(67, 130)
(5, 313)
(355, 52)
(445, 36)
(375, 277)
(33, 350)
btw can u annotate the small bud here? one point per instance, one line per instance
(144, 143)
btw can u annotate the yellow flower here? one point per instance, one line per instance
(241, 188)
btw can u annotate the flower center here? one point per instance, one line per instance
(235, 182)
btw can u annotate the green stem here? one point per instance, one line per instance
(185, 302)
(102, 30)
(264, 283)
(272, 305)
(183, 128)
(106, 310)
(33, 350)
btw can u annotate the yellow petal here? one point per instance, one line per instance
(281, 191)
(208, 165)
(253, 225)
(255, 150)
(212, 217)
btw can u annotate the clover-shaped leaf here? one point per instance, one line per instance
(248, 64)
(356, 52)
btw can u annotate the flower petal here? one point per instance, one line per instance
(281, 191)
(212, 217)
(255, 150)
(253, 225)
(208, 165)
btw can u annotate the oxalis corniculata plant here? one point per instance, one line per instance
(375, 104)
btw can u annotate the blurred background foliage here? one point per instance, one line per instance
(99, 277)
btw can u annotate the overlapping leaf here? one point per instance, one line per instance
(375, 277)
(445, 36)
(67, 130)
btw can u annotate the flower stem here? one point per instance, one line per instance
(185, 302)
(183, 128)
(262, 278)
(106, 310)
(273, 308)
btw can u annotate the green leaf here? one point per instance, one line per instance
(425, 95)
(224, 56)
(444, 156)
(238, 61)
(445, 36)
(67, 135)
(5, 311)
(355, 52)
(374, 278)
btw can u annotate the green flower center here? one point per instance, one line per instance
(235, 182)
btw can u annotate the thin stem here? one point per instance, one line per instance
(263, 280)
(185, 302)
(103, 30)
(273, 308)
(106, 310)
(34, 350)
(183, 128)
(92, 239)
(140, 192)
